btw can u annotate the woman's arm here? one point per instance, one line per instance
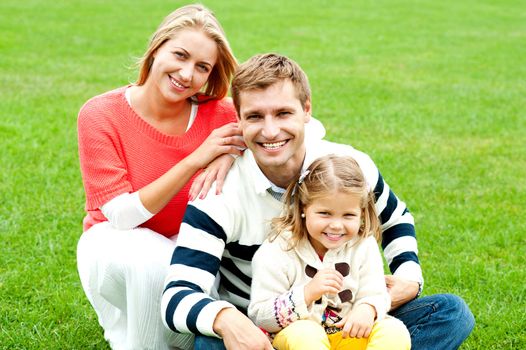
(226, 139)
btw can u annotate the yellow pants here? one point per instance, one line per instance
(388, 333)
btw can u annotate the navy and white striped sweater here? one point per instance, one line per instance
(220, 234)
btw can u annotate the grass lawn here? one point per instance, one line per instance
(434, 91)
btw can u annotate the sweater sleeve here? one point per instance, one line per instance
(398, 233)
(273, 304)
(187, 305)
(104, 171)
(372, 289)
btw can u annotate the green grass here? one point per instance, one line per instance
(433, 91)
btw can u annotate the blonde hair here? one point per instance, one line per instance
(325, 175)
(264, 70)
(200, 18)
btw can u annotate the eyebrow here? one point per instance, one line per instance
(273, 110)
(188, 53)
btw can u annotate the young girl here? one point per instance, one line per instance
(318, 283)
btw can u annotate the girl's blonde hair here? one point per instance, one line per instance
(200, 18)
(325, 175)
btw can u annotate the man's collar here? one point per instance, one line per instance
(261, 182)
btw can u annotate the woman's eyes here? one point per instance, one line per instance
(203, 68)
(180, 54)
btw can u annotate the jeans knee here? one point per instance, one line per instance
(457, 312)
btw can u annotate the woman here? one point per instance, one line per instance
(140, 146)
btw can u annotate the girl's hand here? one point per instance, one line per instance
(326, 281)
(359, 322)
(215, 171)
(226, 139)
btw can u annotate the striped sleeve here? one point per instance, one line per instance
(187, 306)
(398, 233)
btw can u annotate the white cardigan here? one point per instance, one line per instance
(279, 278)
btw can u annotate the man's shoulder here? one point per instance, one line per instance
(322, 148)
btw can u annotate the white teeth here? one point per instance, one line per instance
(176, 83)
(334, 235)
(274, 145)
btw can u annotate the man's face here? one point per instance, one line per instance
(273, 125)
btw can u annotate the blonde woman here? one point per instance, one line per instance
(140, 146)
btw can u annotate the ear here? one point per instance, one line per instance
(308, 110)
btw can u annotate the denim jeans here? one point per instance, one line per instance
(440, 321)
(435, 322)
(203, 342)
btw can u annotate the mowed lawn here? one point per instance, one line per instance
(434, 91)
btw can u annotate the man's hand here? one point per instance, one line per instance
(400, 290)
(239, 332)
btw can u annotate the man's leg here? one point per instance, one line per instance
(203, 342)
(441, 321)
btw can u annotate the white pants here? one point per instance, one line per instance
(122, 273)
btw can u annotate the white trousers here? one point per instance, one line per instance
(122, 273)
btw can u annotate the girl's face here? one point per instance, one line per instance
(182, 65)
(333, 220)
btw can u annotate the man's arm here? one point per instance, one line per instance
(186, 303)
(399, 245)
(187, 306)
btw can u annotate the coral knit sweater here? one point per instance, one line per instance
(119, 152)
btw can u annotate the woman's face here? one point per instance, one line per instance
(182, 65)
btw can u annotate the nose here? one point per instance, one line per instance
(336, 224)
(270, 128)
(186, 72)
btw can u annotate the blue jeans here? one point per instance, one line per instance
(203, 342)
(440, 321)
(435, 322)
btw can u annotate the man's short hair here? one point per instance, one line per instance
(264, 70)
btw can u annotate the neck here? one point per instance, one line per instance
(284, 175)
(153, 106)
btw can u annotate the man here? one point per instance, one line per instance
(220, 234)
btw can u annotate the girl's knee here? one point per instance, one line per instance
(390, 333)
(302, 334)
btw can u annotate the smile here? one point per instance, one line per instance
(273, 145)
(177, 84)
(334, 236)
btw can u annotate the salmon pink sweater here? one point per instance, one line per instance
(120, 152)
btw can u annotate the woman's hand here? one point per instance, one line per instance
(359, 322)
(215, 171)
(326, 281)
(226, 139)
